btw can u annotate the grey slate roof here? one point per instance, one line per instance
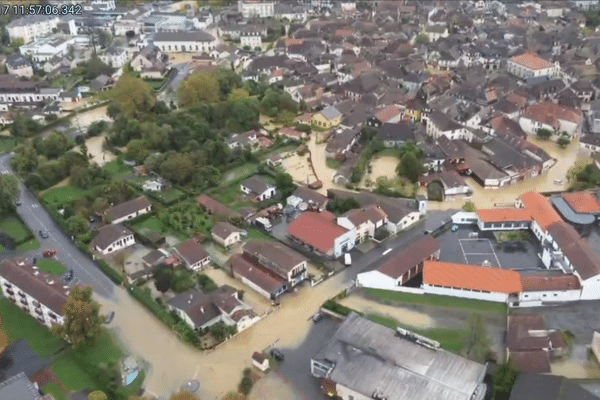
(110, 233)
(256, 184)
(331, 113)
(197, 36)
(397, 132)
(373, 360)
(442, 122)
(19, 387)
(19, 357)
(548, 387)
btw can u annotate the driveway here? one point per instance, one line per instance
(37, 218)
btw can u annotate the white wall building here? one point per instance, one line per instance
(256, 8)
(531, 65)
(252, 41)
(46, 48)
(181, 42)
(32, 27)
(37, 293)
(112, 238)
(438, 124)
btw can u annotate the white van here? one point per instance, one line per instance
(347, 259)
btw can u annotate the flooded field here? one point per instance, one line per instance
(96, 152)
(382, 166)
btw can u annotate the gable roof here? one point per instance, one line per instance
(308, 195)
(19, 387)
(471, 277)
(108, 234)
(192, 251)
(400, 131)
(532, 61)
(127, 208)
(215, 207)
(411, 256)
(359, 216)
(255, 273)
(532, 386)
(19, 357)
(582, 202)
(550, 114)
(540, 209)
(224, 229)
(316, 229)
(442, 122)
(197, 305)
(256, 184)
(330, 113)
(274, 256)
(582, 256)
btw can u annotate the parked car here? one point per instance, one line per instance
(69, 275)
(91, 218)
(277, 354)
(347, 259)
(317, 317)
(109, 317)
(49, 253)
(454, 228)
(44, 234)
(18, 203)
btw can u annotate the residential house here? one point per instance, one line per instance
(150, 61)
(116, 57)
(258, 277)
(530, 386)
(279, 259)
(366, 360)
(19, 387)
(531, 65)
(438, 124)
(128, 210)
(257, 188)
(18, 65)
(18, 358)
(320, 232)
(403, 266)
(194, 41)
(551, 116)
(256, 8)
(247, 139)
(101, 83)
(250, 40)
(111, 238)
(452, 183)
(327, 118)
(41, 295)
(366, 221)
(45, 48)
(226, 234)
(305, 198)
(389, 114)
(342, 141)
(31, 27)
(202, 310)
(395, 134)
(193, 254)
(212, 206)
(131, 22)
(260, 361)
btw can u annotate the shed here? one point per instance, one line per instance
(260, 361)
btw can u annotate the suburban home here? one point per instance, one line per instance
(260, 361)
(395, 134)
(327, 118)
(214, 207)
(551, 116)
(257, 276)
(321, 233)
(193, 254)
(403, 266)
(192, 41)
(439, 124)
(202, 310)
(151, 62)
(247, 139)
(111, 238)
(342, 141)
(128, 210)
(257, 188)
(116, 57)
(365, 220)
(452, 183)
(305, 198)
(389, 114)
(279, 259)
(18, 65)
(41, 295)
(226, 234)
(366, 360)
(530, 65)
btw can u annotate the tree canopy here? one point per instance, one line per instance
(183, 396)
(132, 95)
(82, 318)
(199, 88)
(97, 395)
(9, 192)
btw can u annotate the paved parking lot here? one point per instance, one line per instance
(463, 247)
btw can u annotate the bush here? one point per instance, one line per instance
(435, 191)
(469, 206)
(205, 283)
(113, 275)
(563, 141)
(334, 306)
(544, 133)
(246, 385)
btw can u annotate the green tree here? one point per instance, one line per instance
(469, 206)
(183, 396)
(53, 145)
(219, 331)
(504, 379)
(97, 395)
(543, 133)
(163, 278)
(82, 323)
(410, 167)
(199, 88)
(477, 339)
(177, 168)
(132, 96)
(238, 95)
(77, 224)
(9, 193)
(97, 67)
(18, 127)
(563, 141)
(421, 39)
(137, 150)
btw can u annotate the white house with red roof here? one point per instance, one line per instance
(551, 116)
(321, 233)
(531, 65)
(365, 220)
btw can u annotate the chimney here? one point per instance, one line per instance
(202, 309)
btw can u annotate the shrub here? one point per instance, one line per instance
(246, 385)
(435, 191)
(113, 275)
(544, 133)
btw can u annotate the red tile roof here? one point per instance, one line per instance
(387, 113)
(540, 209)
(532, 283)
(472, 277)
(504, 215)
(582, 202)
(532, 61)
(316, 229)
(536, 361)
(549, 113)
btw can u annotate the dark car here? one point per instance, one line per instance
(44, 235)
(277, 354)
(69, 275)
(18, 203)
(109, 317)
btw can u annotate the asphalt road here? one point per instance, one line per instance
(37, 218)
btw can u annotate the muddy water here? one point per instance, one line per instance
(382, 166)
(218, 371)
(98, 155)
(576, 369)
(482, 198)
(86, 118)
(297, 166)
(402, 315)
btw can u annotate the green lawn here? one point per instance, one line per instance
(7, 143)
(63, 194)
(153, 224)
(387, 296)
(19, 325)
(449, 339)
(239, 172)
(32, 244)
(70, 374)
(332, 163)
(51, 266)
(103, 352)
(257, 234)
(115, 168)
(52, 388)
(13, 227)
(170, 195)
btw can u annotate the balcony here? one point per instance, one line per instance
(8, 285)
(39, 311)
(22, 294)
(10, 291)
(24, 302)
(36, 304)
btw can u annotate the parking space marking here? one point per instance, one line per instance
(493, 252)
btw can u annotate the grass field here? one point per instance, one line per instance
(332, 163)
(257, 234)
(7, 143)
(63, 194)
(387, 296)
(115, 168)
(154, 224)
(70, 374)
(53, 389)
(449, 339)
(13, 227)
(51, 266)
(32, 244)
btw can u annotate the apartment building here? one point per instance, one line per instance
(32, 27)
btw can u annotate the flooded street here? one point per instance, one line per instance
(482, 198)
(324, 173)
(220, 370)
(86, 118)
(403, 315)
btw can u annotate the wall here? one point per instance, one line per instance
(548, 296)
(253, 286)
(468, 294)
(591, 289)
(347, 241)
(349, 394)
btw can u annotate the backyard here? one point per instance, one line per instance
(13, 227)
(51, 266)
(58, 196)
(153, 224)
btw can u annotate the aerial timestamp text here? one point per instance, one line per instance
(41, 9)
